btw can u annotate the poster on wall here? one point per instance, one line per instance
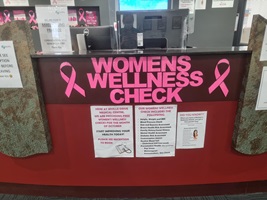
(54, 29)
(9, 70)
(155, 129)
(112, 131)
(200, 4)
(16, 2)
(222, 3)
(62, 2)
(263, 56)
(191, 129)
(187, 4)
(262, 95)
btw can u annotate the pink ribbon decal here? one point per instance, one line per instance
(81, 13)
(220, 78)
(7, 2)
(32, 17)
(7, 16)
(71, 80)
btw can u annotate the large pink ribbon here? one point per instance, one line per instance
(7, 16)
(220, 78)
(81, 13)
(32, 17)
(70, 80)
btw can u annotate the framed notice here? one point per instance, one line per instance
(9, 71)
(62, 2)
(222, 3)
(155, 128)
(112, 131)
(54, 29)
(16, 2)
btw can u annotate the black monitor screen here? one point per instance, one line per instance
(99, 37)
(155, 26)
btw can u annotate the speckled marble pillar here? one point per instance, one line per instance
(250, 135)
(23, 123)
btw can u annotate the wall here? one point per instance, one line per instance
(214, 27)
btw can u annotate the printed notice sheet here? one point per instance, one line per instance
(262, 95)
(191, 128)
(112, 131)
(155, 128)
(187, 4)
(200, 4)
(54, 29)
(62, 2)
(222, 3)
(16, 2)
(263, 56)
(9, 71)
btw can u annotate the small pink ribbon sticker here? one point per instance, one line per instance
(7, 16)
(7, 2)
(81, 14)
(32, 17)
(220, 78)
(70, 80)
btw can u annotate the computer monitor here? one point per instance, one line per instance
(125, 5)
(169, 25)
(98, 37)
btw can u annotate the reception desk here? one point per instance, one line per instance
(193, 79)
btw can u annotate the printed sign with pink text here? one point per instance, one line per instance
(16, 2)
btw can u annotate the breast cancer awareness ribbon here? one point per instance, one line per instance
(7, 16)
(7, 2)
(81, 14)
(70, 80)
(32, 17)
(54, 2)
(220, 78)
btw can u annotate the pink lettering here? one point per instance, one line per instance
(120, 64)
(165, 62)
(197, 80)
(151, 79)
(115, 80)
(146, 92)
(168, 79)
(173, 94)
(155, 95)
(102, 63)
(135, 66)
(116, 93)
(182, 60)
(101, 79)
(182, 79)
(153, 64)
(128, 96)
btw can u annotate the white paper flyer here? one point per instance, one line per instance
(263, 56)
(112, 131)
(191, 130)
(155, 128)
(9, 71)
(262, 95)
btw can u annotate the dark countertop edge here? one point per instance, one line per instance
(169, 52)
